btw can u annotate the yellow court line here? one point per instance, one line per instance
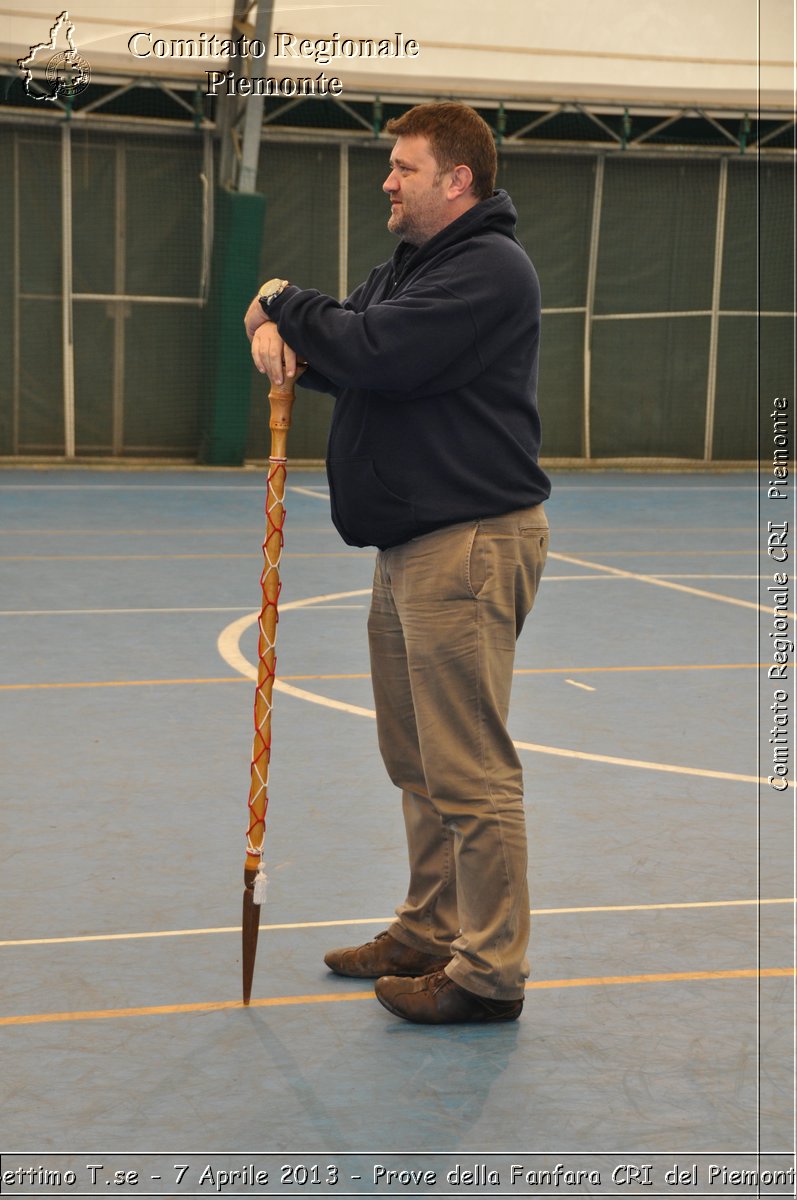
(660, 667)
(165, 557)
(703, 553)
(568, 670)
(230, 531)
(118, 683)
(332, 554)
(233, 530)
(534, 912)
(163, 1010)
(665, 583)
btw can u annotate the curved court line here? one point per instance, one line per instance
(665, 583)
(642, 765)
(228, 645)
(162, 1010)
(534, 912)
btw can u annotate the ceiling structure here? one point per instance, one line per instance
(658, 73)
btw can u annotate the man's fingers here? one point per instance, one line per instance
(289, 359)
(255, 317)
(260, 349)
(271, 355)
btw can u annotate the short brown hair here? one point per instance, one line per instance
(457, 135)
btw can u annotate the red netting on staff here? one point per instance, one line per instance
(266, 660)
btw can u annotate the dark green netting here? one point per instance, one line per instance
(141, 366)
(300, 243)
(649, 382)
(656, 251)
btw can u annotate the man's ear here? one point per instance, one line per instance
(461, 181)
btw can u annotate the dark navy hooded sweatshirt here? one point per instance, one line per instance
(433, 366)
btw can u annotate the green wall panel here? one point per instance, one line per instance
(649, 381)
(370, 242)
(7, 322)
(163, 217)
(553, 197)
(758, 249)
(656, 249)
(41, 405)
(141, 197)
(755, 364)
(162, 380)
(39, 193)
(94, 374)
(560, 391)
(93, 215)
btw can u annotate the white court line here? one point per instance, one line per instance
(306, 491)
(659, 582)
(641, 764)
(534, 912)
(672, 575)
(228, 645)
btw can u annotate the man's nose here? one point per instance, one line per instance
(391, 183)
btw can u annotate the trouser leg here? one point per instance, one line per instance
(460, 597)
(428, 919)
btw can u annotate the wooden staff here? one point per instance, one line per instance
(280, 402)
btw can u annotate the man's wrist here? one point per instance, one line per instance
(268, 293)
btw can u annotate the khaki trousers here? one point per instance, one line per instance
(446, 612)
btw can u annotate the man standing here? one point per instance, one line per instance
(432, 458)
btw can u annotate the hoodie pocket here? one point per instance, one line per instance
(365, 511)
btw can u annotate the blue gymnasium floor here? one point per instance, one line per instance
(127, 626)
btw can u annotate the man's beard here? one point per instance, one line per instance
(406, 228)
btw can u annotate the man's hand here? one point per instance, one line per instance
(272, 356)
(255, 317)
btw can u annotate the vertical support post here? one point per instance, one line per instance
(250, 144)
(253, 116)
(719, 243)
(207, 215)
(343, 222)
(17, 334)
(500, 128)
(119, 307)
(238, 211)
(67, 336)
(626, 137)
(592, 268)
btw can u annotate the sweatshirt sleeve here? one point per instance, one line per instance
(316, 382)
(403, 342)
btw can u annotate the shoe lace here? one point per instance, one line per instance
(438, 980)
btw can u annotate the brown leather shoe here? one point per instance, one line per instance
(383, 956)
(437, 1000)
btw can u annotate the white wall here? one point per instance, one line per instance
(687, 50)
